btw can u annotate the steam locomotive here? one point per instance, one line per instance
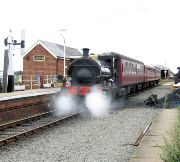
(177, 76)
(111, 73)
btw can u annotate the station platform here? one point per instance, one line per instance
(148, 150)
(22, 104)
(28, 93)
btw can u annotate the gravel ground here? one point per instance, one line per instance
(172, 100)
(88, 139)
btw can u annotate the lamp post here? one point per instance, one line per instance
(62, 30)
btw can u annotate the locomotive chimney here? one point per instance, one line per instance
(86, 52)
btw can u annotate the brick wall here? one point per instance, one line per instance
(50, 66)
(18, 108)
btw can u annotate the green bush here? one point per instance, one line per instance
(171, 149)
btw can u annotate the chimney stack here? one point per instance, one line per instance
(86, 52)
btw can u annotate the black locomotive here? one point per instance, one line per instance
(87, 72)
(177, 76)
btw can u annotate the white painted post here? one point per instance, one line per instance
(31, 82)
(47, 80)
(39, 81)
(165, 72)
(64, 52)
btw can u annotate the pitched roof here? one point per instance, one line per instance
(57, 50)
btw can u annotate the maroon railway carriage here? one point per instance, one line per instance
(158, 74)
(111, 72)
(128, 72)
(151, 75)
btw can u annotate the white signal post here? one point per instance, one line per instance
(165, 74)
(62, 30)
(10, 72)
(10, 54)
(9, 44)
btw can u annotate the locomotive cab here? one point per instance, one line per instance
(112, 61)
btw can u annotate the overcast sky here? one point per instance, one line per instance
(148, 30)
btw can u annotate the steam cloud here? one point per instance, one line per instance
(98, 103)
(65, 104)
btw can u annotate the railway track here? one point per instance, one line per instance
(20, 121)
(15, 130)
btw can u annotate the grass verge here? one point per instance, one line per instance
(171, 148)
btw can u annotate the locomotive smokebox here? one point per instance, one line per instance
(86, 52)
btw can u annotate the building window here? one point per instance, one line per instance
(39, 58)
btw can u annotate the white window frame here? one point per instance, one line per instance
(38, 56)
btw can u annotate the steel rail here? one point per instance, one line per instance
(142, 135)
(23, 120)
(15, 137)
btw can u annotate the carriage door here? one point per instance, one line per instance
(115, 70)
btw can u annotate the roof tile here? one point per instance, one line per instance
(58, 50)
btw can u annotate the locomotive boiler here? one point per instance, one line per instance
(87, 72)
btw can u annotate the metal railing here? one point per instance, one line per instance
(35, 81)
(30, 81)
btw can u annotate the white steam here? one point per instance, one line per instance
(98, 103)
(65, 105)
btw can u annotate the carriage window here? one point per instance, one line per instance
(108, 61)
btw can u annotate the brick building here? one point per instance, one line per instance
(44, 62)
